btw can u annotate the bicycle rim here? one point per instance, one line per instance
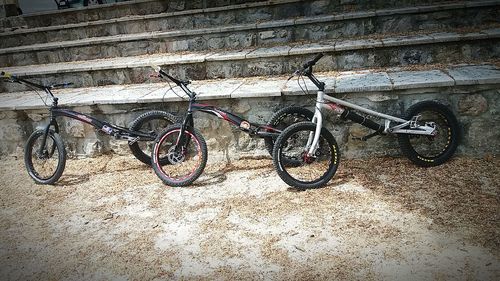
(182, 163)
(44, 165)
(302, 168)
(431, 147)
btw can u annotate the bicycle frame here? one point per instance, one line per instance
(253, 129)
(56, 111)
(324, 101)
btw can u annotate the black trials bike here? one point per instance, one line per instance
(180, 152)
(45, 154)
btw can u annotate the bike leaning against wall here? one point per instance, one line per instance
(428, 135)
(45, 154)
(180, 152)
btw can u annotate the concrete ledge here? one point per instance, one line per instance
(344, 82)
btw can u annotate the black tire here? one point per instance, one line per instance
(150, 122)
(171, 173)
(291, 144)
(285, 117)
(427, 151)
(46, 168)
(91, 2)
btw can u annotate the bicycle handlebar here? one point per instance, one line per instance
(307, 71)
(62, 85)
(14, 78)
(312, 62)
(181, 83)
(164, 74)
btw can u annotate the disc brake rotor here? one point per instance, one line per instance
(174, 156)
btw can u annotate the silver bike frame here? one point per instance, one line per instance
(312, 142)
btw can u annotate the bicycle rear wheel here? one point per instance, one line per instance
(151, 122)
(186, 154)
(47, 166)
(284, 118)
(427, 151)
(295, 167)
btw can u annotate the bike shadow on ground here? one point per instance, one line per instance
(71, 179)
(339, 179)
(219, 175)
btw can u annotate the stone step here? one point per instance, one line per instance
(110, 11)
(169, 21)
(380, 82)
(422, 17)
(339, 55)
(269, 33)
(150, 7)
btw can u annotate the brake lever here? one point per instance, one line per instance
(296, 73)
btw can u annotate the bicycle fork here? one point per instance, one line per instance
(42, 150)
(313, 139)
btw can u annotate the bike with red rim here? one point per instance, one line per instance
(180, 152)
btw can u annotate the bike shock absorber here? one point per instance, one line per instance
(353, 116)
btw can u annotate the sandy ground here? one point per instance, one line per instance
(110, 218)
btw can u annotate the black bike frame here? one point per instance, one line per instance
(253, 129)
(56, 111)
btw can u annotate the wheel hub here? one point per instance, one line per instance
(174, 156)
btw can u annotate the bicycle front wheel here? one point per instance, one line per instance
(45, 165)
(186, 154)
(292, 162)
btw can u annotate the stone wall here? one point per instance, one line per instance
(476, 107)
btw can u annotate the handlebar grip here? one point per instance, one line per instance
(61, 85)
(317, 57)
(313, 61)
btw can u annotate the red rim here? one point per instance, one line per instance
(156, 156)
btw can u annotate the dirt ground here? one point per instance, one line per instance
(110, 218)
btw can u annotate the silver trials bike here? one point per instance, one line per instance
(428, 134)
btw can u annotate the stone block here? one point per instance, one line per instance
(253, 88)
(312, 48)
(119, 147)
(348, 45)
(93, 147)
(269, 52)
(267, 34)
(361, 82)
(420, 79)
(475, 74)
(74, 128)
(10, 131)
(472, 105)
(218, 89)
(353, 60)
(229, 55)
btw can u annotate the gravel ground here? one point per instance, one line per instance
(110, 218)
